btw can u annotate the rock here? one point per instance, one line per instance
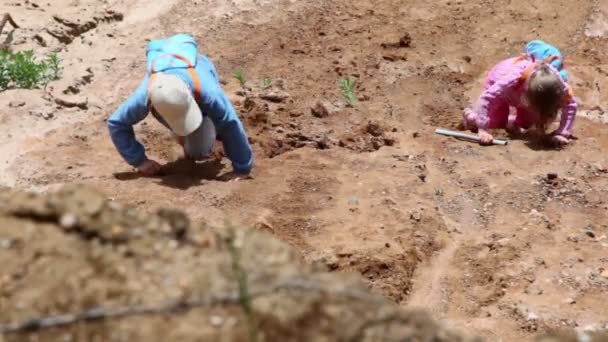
(68, 221)
(71, 101)
(6, 243)
(16, 104)
(590, 233)
(551, 176)
(286, 290)
(264, 225)
(405, 40)
(216, 321)
(601, 168)
(416, 216)
(275, 96)
(320, 110)
(604, 274)
(570, 301)
(353, 201)
(532, 316)
(416, 135)
(534, 290)
(331, 261)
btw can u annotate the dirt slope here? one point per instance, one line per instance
(477, 235)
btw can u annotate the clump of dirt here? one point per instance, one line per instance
(94, 269)
(368, 138)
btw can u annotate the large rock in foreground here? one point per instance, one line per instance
(122, 275)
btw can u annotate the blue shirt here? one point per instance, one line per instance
(214, 103)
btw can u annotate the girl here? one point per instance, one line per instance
(536, 91)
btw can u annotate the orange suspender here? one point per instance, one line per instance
(195, 80)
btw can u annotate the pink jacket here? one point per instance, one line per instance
(504, 82)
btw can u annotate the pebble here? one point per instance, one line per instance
(590, 233)
(551, 176)
(353, 201)
(71, 101)
(320, 110)
(216, 321)
(534, 290)
(570, 301)
(6, 243)
(532, 316)
(276, 97)
(16, 104)
(416, 216)
(68, 221)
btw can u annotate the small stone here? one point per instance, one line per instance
(416, 216)
(353, 201)
(6, 243)
(117, 231)
(532, 316)
(389, 201)
(416, 134)
(71, 101)
(331, 261)
(601, 168)
(216, 321)
(422, 177)
(534, 290)
(387, 245)
(551, 176)
(16, 104)
(68, 221)
(604, 274)
(590, 233)
(275, 96)
(405, 40)
(320, 110)
(570, 301)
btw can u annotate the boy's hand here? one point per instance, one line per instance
(559, 140)
(485, 138)
(149, 168)
(235, 176)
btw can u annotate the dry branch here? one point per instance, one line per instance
(103, 313)
(7, 18)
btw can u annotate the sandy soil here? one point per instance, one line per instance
(478, 235)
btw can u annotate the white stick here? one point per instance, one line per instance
(468, 136)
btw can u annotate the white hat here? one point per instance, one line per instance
(173, 100)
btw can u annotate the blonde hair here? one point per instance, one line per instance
(544, 94)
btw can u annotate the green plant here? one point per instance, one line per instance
(267, 82)
(439, 191)
(234, 249)
(22, 70)
(348, 90)
(240, 77)
(53, 63)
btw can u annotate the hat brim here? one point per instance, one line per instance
(184, 125)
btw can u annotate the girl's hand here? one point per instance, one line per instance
(485, 138)
(559, 140)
